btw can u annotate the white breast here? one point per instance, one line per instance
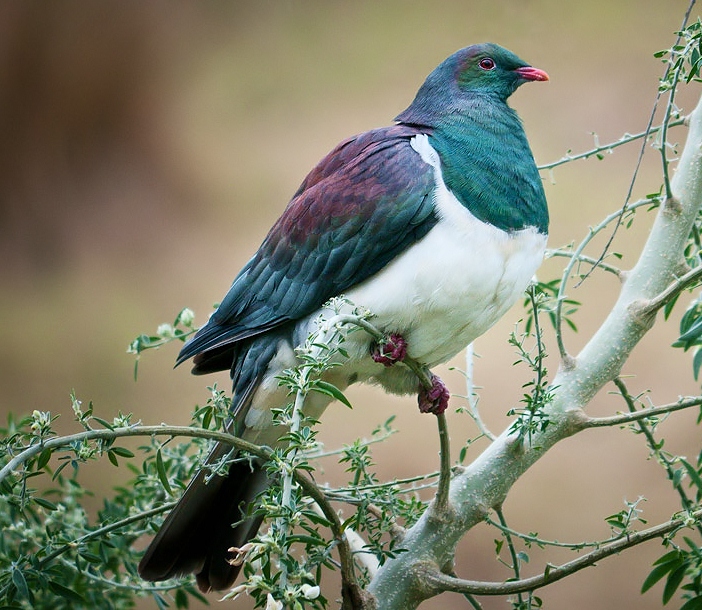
(456, 282)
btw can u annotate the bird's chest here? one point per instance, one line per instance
(456, 282)
(453, 285)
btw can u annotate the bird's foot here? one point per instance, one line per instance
(389, 351)
(435, 399)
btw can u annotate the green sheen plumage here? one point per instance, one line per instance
(489, 167)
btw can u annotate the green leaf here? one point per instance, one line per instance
(692, 471)
(692, 335)
(329, 389)
(673, 582)
(697, 363)
(665, 564)
(113, 458)
(45, 503)
(181, 599)
(693, 604)
(161, 471)
(66, 593)
(122, 452)
(44, 458)
(104, 423)
(20, 583)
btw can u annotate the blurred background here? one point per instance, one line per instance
(146, 148)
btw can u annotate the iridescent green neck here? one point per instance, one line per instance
(487, 164)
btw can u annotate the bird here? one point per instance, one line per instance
(434, 224)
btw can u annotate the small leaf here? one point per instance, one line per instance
(45, 503)
(104, 423)
(691, 335)
(65, 592)
(693, 604)
(329, 389)
(673, 582)
(122, 452)
(20, 583)
(692, 471)
(697, 364)
(44, 458)
(665, 564)
(113, 458)
(162, 476)
(181, 599)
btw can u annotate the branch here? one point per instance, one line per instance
(114, 433)
(620, 420)
(440, 506)
(680, 284)
(599, 149)
(441, 582)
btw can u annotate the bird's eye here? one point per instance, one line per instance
(487, 63)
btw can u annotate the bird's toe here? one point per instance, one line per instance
(435, 399)
(389, 351)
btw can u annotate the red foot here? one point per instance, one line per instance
(390, 351)
(435, 399)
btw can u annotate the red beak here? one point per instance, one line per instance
(530, 73)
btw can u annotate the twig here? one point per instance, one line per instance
(542, 542)
(440, 507)
(393, 483)
(585, 259)
(664, 132)
(471, 395)
(679, 285)
(106, 529)
(568, 270)
(655, 448)
(510, 546)
(622, 419)
(625, 139)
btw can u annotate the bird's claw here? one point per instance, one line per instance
(389, 351)
(434, 399)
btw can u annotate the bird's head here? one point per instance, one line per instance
(481, 69)
(489, 68)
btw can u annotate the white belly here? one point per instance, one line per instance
(452, 286)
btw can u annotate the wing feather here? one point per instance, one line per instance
(364, 203)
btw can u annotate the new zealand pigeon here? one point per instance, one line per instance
(435, 225)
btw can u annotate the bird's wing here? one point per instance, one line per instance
(366, 202)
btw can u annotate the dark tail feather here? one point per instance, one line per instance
(197, 533)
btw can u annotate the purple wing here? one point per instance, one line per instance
(360, 207)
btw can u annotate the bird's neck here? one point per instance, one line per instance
(487, 164)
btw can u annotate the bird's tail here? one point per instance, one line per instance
(207, 521)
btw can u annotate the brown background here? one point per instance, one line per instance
(146, 148)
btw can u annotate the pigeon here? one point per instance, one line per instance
(435, 225)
